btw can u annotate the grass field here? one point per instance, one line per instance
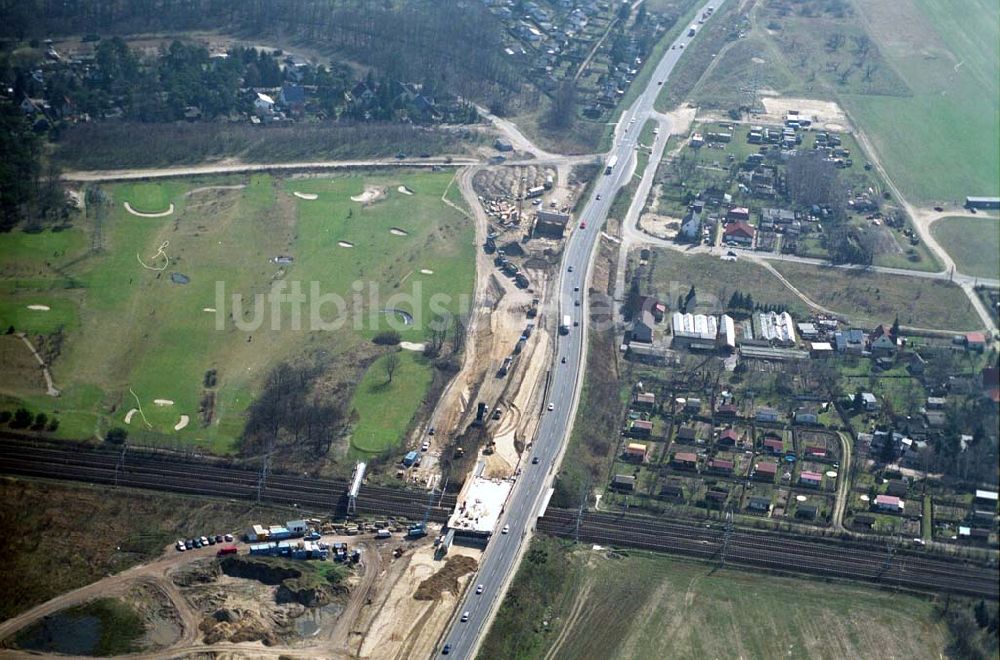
(868, 298)
(715, 281)
(643, 605)
(925, 91)
(941, 141)
(385, 407)
(974, 244)
(129, 328)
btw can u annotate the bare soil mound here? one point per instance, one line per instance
(446, 579)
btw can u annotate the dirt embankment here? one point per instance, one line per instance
(446, 579)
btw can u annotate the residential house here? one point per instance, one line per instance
(863, 521)
(293, 97)
(720, 466)
(642, 327)
(975, 341)
(765, 471)
(850, 341)
(685, 460)
(774, 444)
(806, 511)
(811, 479)
(644, 400)
(806, 415)
(897, 488)
(739, 233)
(263, 104)
(687, 434)
(888, 504)
(692, 406)
(727, 410)
(716, 495)
(759, 504)
(729, 438)
(869, 401)
(816, 452)
(690, 227)
(768, 415)
(636, 451)
(738, 214)
(672, 491)
(881, 343)
(623, 482)
(640, 428)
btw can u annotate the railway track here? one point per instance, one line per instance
(832, 558)
(827, 557)
(193, 477)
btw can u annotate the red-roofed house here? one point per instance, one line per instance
(816, 452)
(765, 471)
(720, 466)
(737, 214)
(888, 504)
(813, 479)
(729, 438)
(739, 233)
(774, 445)
(685, 460)
(975, 341)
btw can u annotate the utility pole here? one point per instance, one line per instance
(729, 533)
(265, 468)
(584, 487)
(120, 463)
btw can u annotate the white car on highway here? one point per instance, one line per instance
(552, 406)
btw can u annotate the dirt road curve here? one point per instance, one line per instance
(236, 167)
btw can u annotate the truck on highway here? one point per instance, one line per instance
(611, 164)
(691, 31)
(566, 322)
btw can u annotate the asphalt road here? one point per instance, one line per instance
(522, 508)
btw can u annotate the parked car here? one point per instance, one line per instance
(180, 546)
(229, 538)
(219, 538)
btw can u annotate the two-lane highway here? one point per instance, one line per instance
(503, 552)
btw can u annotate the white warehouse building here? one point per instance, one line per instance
(699, 330)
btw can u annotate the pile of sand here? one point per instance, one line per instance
(308, 196)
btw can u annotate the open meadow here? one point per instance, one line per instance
(576, 602)
(142, 329)
(917, 77)
(974, 244)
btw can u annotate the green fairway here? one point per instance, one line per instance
(385, 408)
(144, 317)
(563, 599)
(974, 244)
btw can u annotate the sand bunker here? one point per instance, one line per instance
(345, 244)
(208, 309)
(801, 498)
(370, 195)
(163, 402)
(426, 271)
(411, 346)
(396, 231)
(160, 214)
(404, 190)
(308, 196)
(39, 308)
(182, 423)
(130, 414)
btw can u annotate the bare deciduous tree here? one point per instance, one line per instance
(391, 364)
